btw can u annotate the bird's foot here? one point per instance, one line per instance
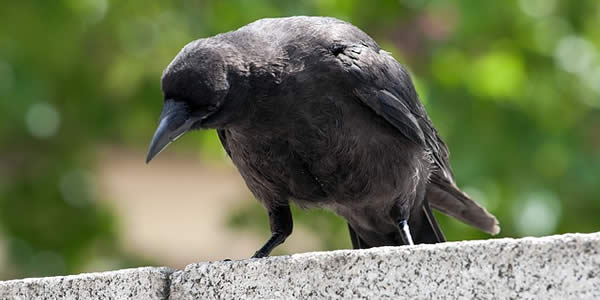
(405, 233)
(259, 254)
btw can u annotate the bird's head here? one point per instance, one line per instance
(196, 87)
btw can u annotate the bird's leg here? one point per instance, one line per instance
(400, 213)
(280, 220)
(354, 238)
(405, 232)
(357, 241)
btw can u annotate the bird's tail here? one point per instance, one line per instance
(445, 196)
(428, 231)
(423, 228)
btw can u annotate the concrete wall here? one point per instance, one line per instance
(556, 267)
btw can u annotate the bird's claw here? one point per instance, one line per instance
(259, 254)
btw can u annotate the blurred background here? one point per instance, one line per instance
(512, 86)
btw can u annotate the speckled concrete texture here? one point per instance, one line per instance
(141, 283)
(556, 267)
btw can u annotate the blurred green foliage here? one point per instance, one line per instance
(512, 86)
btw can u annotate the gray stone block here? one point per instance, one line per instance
(142, 283)
(556, 267)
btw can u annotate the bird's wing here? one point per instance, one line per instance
(381, 83)
(385, 86)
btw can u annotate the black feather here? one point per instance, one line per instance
(311, 110)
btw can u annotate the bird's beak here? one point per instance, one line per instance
(175, 120)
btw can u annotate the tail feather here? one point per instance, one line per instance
(447, 198)
(435, 228)
(427, 231)
(423, 228)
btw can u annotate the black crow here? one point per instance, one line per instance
(311, 110)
